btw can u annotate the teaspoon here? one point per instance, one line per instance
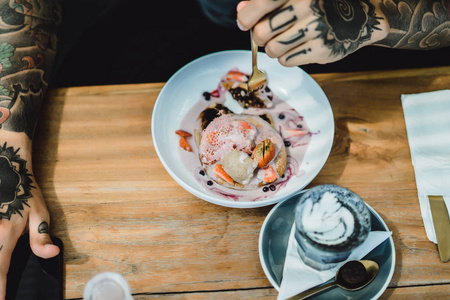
(352, 276)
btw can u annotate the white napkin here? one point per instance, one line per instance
(427, 118)
(298, 277)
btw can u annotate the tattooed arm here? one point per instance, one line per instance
(27, 51)
(299, 32)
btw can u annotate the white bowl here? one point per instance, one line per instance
(292, 85)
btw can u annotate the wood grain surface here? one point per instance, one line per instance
(117, 209)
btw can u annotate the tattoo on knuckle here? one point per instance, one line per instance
(43, 227)
(300, 34)
(277, 20)
(283, 62)
(295, 54)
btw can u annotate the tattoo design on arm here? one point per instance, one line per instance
(344, 25)
(43, 228)
(277, 19)
(417, 24)
(15, 183)
(27, 51)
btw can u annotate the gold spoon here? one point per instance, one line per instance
(352, 276)
(258, 78)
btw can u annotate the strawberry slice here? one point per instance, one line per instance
(220, 172)
(263, 153)
(237, 75)
(215, 93)
(183, 133)
(291, 132)
(270, 174)
(185, 144)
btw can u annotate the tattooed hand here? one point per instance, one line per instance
(27, 51)
(22, 207)
(299, 32)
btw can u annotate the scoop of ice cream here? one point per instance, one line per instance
(239, 165)
(240, 134)
(223, 135)
(327, 221)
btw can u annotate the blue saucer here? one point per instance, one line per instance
(273, 241)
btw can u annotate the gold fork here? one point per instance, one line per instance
(258, 78)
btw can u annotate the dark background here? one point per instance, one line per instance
(141, 41)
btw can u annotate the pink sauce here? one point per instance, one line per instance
(283, 116)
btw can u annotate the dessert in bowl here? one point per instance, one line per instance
(261, 149)
(242, 151)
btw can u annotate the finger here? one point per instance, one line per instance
(291, 38)
(281, 20)
(6, 249)
(241, 5)
(249, 14)
(11, 227)
(40, 241)
(5, 258)
(313, 51)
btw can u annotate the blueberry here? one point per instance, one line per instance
(287, 143)
(265, 189)
(272, 187)
(207, 96)
(299, 126)
(210, 182)
(281, 116)
(202, 173)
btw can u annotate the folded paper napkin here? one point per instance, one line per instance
(298, 277)
(427, 118)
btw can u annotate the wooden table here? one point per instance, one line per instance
(117, 209)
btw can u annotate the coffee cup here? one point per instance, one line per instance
(330, 222)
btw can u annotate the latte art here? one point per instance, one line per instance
(327, 221)
(331, 221)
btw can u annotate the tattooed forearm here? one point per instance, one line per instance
(27, 51)
(15, 183)
(43, 227)
(278, 20)
(417, 24)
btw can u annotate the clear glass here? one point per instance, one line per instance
(107, 286)
(331, 221)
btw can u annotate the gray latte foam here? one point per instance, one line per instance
(348, 200)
